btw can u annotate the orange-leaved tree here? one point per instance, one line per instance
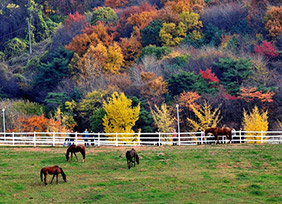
(35, 124)
(188, 99)
(154, 87)
(93, 35)
(179, 6)
(273, 21)
(131, 48)
(255, 121)
(250, 94)
(116, 3)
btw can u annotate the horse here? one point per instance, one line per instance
(75, 148)
(132, 157)
(220, 131)
(55, 171)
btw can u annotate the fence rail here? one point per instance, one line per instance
(132, 139)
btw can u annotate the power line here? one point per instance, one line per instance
(3, 36)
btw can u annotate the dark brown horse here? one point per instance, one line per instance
(132, 157)
(220, 131)
(75, 148)
(55, 171)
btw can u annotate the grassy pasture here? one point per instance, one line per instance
(193, 174)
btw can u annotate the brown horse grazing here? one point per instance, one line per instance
(220, 131)
(131, 157)
(75, 148)
(55, 171)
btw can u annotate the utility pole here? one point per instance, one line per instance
(178, 125)
(30, 50)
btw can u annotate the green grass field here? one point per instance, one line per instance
(167, 174)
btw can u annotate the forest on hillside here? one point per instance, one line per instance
(125, 65)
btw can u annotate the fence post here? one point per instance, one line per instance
(116, 140)
(159, 139)
(13, 135)
(75, 138)
(240, 136)
(53, 139)
(98, 139)
(179, 139)
(261, 137)
(34, 139)
(201, 138)
(139, 139)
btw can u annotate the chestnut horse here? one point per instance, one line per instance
(220, 131)
(75, 148)
(55, 171)
(132, 157)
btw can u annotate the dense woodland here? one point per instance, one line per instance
(123, 65)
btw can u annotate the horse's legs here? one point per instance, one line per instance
(128, 164)
(71, 155)
(57, 178)
(76, 156)
(53, 178)
(45, 176)
(217, 139)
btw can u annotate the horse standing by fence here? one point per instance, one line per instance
(55, 171)
(220, 131)
(76, 148)
(132, 157)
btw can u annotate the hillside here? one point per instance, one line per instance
(124, 65)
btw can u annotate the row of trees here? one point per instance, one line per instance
(118, 114)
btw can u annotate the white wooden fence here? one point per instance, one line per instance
(132, 139)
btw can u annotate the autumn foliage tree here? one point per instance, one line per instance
(104, 14)
(180, 6)
(75, 18)
(154, 87)
(188, 99)
(36, 124)
(250, 94)
(92, 35)
(172, 34)
(266, 49)
(163, 120)
(208, 75)
(120, 116)
(255, 121)
(273, 21)
(206, 117)
(131, 48)
(116, 3)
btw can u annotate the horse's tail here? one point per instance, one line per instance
(63, 175)
(137, 158)
(41, 173)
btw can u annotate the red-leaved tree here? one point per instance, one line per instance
(207, 74)
(266, 49)
(75, 18)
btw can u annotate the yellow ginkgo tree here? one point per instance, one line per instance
(163, 119)
(120, 116)
(255, 121)
(206, 117)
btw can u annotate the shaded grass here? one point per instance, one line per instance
(209, 174)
